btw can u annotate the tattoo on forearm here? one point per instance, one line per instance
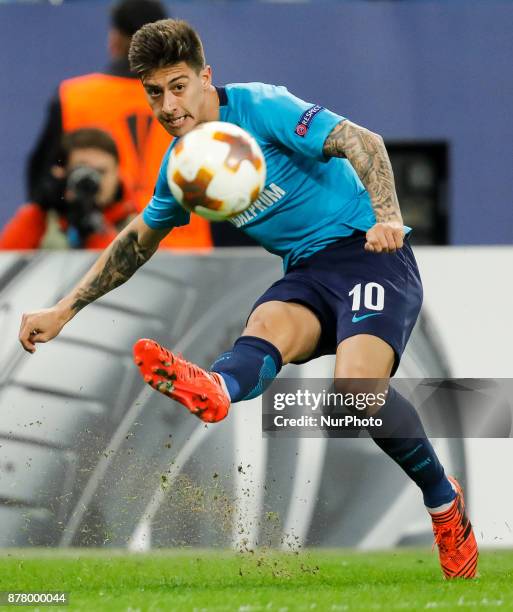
(368, 156)
(126, 257)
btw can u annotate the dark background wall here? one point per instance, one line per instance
(409, 71)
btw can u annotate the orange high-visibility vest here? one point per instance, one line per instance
(118, 105)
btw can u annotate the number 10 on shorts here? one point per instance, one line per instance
(373, 296)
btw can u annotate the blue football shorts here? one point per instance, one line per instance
(352, 291)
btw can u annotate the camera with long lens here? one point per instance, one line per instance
(83, 183)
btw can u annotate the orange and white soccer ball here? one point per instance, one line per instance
(216, 170)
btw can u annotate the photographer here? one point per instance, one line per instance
(82, 202)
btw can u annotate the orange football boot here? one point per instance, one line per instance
(199, 391)
(457, 546)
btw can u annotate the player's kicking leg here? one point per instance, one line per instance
(403, 439)
(276, 333)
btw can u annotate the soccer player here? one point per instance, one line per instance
(351, 285)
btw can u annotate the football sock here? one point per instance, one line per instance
(249, 368)
(403, 439)
(442, 508)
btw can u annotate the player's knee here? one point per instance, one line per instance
(269, 321)
(360, 390)
(272, 324)
(355, 369)
(261, 327)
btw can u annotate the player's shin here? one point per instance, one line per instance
(249, 368)
(403, 439)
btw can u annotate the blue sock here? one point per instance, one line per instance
(403, 439)
(249, 368)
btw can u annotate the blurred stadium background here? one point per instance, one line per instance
(90, 457)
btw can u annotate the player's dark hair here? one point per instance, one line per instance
(127, 16)
(165, 43)
(87, 138)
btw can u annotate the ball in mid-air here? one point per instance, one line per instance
(216, 170)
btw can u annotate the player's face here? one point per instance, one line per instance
(177, 96)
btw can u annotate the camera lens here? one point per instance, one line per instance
(84, 181)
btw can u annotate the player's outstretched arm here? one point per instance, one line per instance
(128, 252)
(367, 153)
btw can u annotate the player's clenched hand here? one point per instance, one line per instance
(40, 326)
(385, 237)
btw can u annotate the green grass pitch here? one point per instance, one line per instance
(199, 580)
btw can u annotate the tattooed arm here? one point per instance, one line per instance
(367, 154)
(128, 252)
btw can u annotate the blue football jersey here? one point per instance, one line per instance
(309, 201)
